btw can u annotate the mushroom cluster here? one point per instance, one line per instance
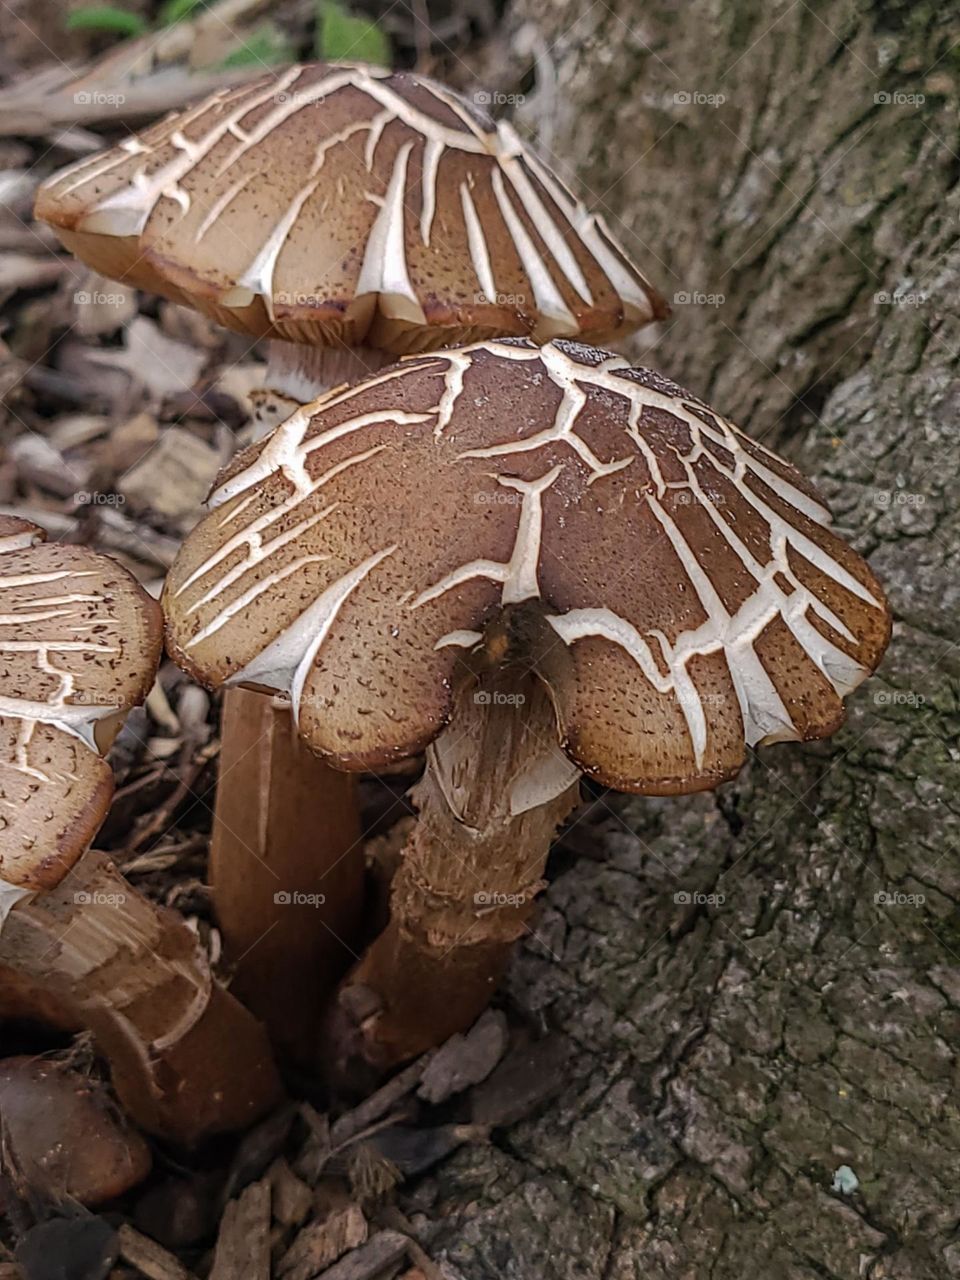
(531, 563)
(347, 214)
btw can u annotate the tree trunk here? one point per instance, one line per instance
(762, 986)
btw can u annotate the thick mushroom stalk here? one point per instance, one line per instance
(675, 587)
(187, 1060)
(80, 641)
(286, 868)
(495, 789)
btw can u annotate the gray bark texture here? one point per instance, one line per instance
(727, 1058)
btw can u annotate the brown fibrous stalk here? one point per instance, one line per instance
(496, 787)
(287, 870)
(187, 1060)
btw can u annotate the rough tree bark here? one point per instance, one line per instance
(728, 1058)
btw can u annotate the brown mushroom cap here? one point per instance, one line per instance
(63, 1135)
(79, 645)
(673, 582)
(330, 203)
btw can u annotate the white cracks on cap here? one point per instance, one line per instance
(285, 663)
(459, 640)
(774, 582)
(533, 204)
(477, 245)
(567, 374)
(20, 539)
(556, 319)
(10, 895)
(59, 708)
(384, 271)
(518, 577)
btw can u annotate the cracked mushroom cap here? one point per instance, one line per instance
(79, 645)
(674, 584)
(329, 204)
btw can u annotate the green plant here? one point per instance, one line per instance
(108, 19)
(266, 44)
(344, 36)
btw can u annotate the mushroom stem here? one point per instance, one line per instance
(287, 869)
(495, 788)
(187, 1059)
(298, 373)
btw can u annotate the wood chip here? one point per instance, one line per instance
(379, 1103)
(531, 1073)
(147, 1256)
(25, 271)
(292, 1198)
(103, 306)
(465, 1060)
(161, 364)
(174, 478)
(367, 1262)
(322, 1242)
(243, 1245)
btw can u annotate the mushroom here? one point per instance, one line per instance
(349, 215)
(581, 568)
(79, 641)
(62, 1136)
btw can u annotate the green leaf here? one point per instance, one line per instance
(266, 44)
(106, 18)
(342, 36)
(176, 10)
